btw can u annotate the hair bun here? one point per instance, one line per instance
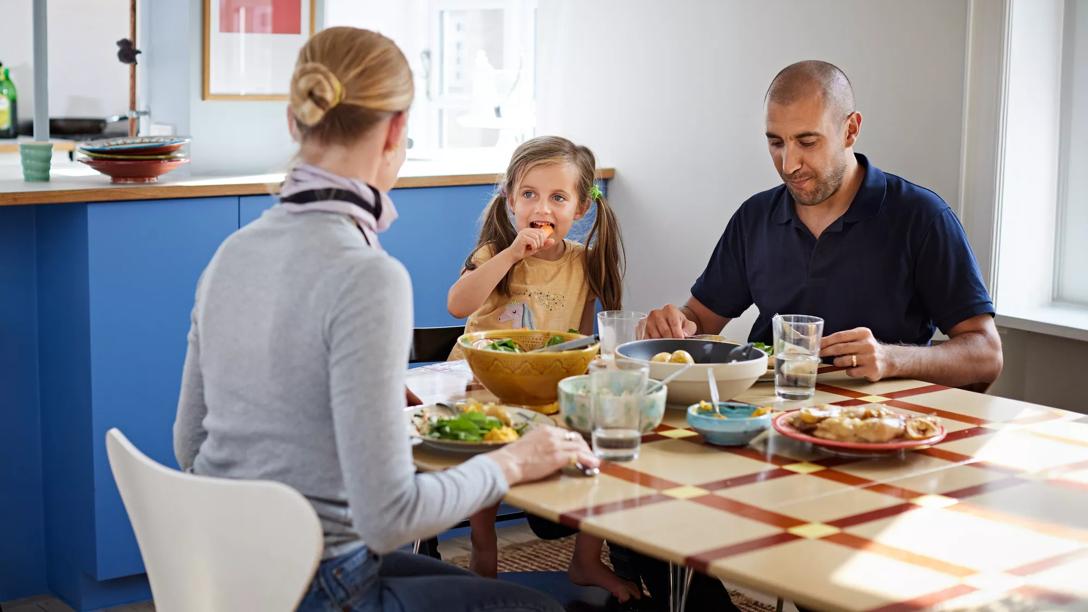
(315, 91)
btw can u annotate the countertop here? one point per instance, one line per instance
(12, 145)
(75, 182)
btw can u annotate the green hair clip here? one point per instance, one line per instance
(595, 193)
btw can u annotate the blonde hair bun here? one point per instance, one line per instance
(315, 90)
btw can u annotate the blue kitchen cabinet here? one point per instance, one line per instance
(115, 289)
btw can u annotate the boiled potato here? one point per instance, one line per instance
(661, 358)
(681, 357)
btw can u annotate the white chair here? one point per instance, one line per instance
(216, 544)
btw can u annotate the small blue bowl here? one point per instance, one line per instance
(736, 426)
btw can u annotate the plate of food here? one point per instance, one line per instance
(852, 430)
(471, 426)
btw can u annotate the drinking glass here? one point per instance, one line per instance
(796, 355)
(616, 391)
(615, 327)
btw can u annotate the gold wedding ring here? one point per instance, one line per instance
(853, 361)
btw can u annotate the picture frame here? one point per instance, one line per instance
(250, 47)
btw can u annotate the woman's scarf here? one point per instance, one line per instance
(308, 188)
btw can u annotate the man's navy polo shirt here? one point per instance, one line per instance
(897, 261)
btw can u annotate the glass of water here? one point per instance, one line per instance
(615, 400)
(796, 355)
(615, 327)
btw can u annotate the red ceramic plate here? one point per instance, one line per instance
(783, 424)
(132, 171)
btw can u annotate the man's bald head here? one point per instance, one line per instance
(813, 78)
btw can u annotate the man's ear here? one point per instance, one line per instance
(853, 128)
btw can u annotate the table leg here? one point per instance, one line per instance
(679, 584)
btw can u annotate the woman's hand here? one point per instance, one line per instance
(529, 241)
(541, 452)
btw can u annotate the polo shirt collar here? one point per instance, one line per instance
(867, 201)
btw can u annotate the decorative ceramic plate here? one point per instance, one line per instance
(134, 156)
(783, 424)
(530, 418)
(144, 145)
(134, 171)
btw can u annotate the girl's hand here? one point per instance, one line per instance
(530, 241)
(541, 452)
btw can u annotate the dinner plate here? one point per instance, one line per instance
(783, 424)
(140, 156)
(149, 145)
(517, 415)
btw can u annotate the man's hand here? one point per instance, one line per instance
(669, 322)
(857, 350)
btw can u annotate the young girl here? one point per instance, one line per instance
(526, 274)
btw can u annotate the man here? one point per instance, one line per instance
(883, 261)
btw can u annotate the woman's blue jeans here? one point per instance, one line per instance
(363, 581)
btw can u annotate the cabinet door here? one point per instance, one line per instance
(144, 259)
(251, 207)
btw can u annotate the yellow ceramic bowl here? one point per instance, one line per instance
(529, 379)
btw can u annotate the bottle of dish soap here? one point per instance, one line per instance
(9, 116)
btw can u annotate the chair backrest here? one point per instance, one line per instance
(434, 343)
(213, 543)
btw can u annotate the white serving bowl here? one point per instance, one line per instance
(733, 377)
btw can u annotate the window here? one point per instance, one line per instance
(474, 65)
(1072, 252)
(1041, 206)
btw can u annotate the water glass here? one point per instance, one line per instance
(796, 355)
(615, 392)
(615, 327)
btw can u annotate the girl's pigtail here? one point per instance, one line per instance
(605, 258)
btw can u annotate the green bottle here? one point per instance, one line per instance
(9, 115)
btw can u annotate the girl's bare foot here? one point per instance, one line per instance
(596, 573)
(484, 563)
(484, 560)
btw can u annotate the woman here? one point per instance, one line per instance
(299, 344)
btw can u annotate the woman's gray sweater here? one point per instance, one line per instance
(295, 373)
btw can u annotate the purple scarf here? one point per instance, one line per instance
(307, 177)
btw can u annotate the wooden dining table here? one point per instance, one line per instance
(994, 516)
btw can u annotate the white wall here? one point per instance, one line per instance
(85, 77)
(671, 94)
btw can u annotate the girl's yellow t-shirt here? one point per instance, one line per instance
(543, 294)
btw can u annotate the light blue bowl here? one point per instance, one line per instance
(574, 407)
(736, 426)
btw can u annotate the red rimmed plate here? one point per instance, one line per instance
(783, 424)
(134, 171)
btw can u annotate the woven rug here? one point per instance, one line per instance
(554, 556)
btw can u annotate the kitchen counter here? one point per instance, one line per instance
(12, 146)
(75, 182)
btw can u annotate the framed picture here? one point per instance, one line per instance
(250, 46)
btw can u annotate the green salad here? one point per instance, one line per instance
(507, 345)
(766, 348)
(468, 427)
